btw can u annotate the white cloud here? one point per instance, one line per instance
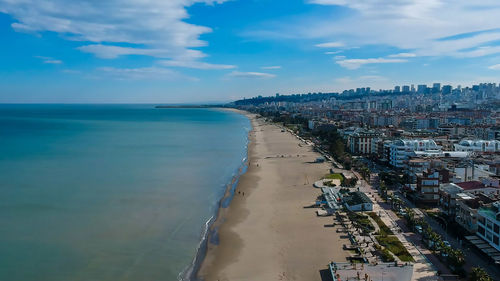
(53, 61)
(458, 28)
(195, 64)
(239, 74)
(357, 63)
(333, 53)
(403, 55)
(49, 60)
(495, 67)
(339, 57)
(271, 67)
(115, 27)
(330, 45)
(144, 73)
(479, 52)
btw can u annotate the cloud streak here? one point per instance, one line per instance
(144, 73)
(271, 67)
(49, 60)
(260, 75)
(402, 55)
(195, 65)
(330, 45)
(357, 63)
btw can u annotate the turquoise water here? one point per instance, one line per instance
(110, 192)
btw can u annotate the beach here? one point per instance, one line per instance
(267, 233)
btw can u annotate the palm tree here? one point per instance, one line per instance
(478, 274)
(436, 239)
(456, 258)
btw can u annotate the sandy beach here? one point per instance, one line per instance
(266, 233)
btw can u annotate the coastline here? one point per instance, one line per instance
(266, 232)
(210, 234)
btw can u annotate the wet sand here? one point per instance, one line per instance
(266, 233)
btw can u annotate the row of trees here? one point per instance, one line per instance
(362, 169)
(455, 257)
(478, 274)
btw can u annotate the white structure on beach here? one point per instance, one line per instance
(357, 202)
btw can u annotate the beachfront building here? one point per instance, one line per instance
(466, 213)
(363, 142)
(401, 150)
(358, 201)
(428, 185)
(488, 224)
(448, 195)
(467, 209)
(478, 146)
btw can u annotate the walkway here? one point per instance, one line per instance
(423, 269)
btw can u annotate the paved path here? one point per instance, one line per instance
(473, 258)
(423, 270)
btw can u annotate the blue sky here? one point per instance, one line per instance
(186, 51)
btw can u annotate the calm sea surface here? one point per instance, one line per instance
(110, 192)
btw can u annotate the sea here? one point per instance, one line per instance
(111, 192)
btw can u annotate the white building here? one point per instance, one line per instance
(488, 224)
(401, 150)
(358, 201)
(472, 172)
(478, 146)
(363, 142)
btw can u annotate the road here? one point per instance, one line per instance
(425, 267)
(473, 257)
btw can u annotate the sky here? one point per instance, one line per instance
(204, 51)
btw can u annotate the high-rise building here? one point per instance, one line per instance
(397, 89)
(406, 89)
(436, 88)
(421, 89)
(446, 89)
(412, 88)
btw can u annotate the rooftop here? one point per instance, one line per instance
(469, 185)
(356, 198)
(488, 211)
(451, 188)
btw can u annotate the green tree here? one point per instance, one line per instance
(479, 274)
(410, 217)
(456, 258)
(383, 189)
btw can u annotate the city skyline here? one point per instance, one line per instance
(216, 51)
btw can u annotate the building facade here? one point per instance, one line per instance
(363, 142)
(478, 146)
(488, 224)
(401, 150)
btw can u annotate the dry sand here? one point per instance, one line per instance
(267, 234)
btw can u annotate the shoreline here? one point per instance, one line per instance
(212, 224)
(251, 239)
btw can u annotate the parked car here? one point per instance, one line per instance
(419, 229)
